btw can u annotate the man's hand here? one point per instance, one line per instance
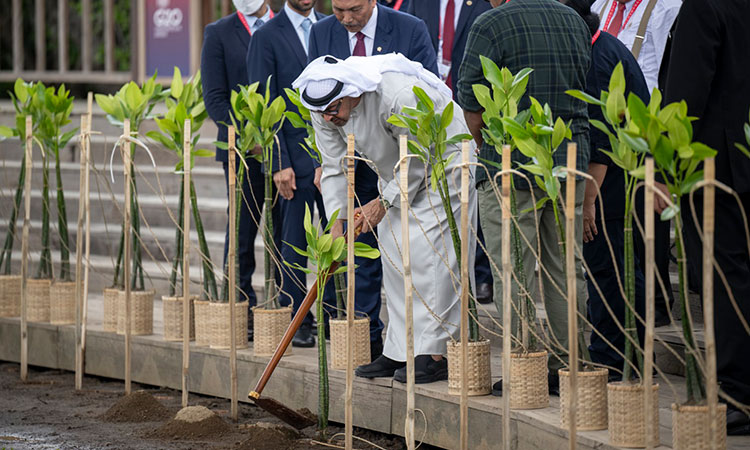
(316, 180)
(589, 222)
(257, 150)
(659, 203)
(286, 182)
(369, 216)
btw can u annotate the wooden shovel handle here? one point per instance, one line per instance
(307, 303)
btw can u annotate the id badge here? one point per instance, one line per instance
(444, 68)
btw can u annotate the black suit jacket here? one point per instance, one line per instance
(276, 50)
(223, 69)
(429, 11)
(709, 67)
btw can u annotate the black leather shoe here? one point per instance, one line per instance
(303, 337)
(376, 349)
(553, 383)
(738, 423)
(484, 293)
(250, 334)
(381, 367)
(426, 370)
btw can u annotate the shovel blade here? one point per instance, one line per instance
(288, 415)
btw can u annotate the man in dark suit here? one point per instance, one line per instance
(364, 28)
(279, 50)
(223, 69)
(446, 18)
(708, 68)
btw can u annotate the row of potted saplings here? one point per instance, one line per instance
(536, 134)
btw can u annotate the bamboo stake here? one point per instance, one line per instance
(464, 402)
(125, 148)
(648, 345)
(79, 256)
(87, 230)
(349, 416)
(25, 254)
(709, 225)
(406, 259)
(186, 263)
(507, 270)
(570, 270)
(232, 272)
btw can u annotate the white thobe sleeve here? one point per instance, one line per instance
(417, 173)
(333, 184)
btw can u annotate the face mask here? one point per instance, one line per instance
(248, 7)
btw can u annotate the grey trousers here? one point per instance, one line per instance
(550, 261)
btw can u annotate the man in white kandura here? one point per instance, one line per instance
(357, 96)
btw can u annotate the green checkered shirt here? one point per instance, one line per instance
(551, 39)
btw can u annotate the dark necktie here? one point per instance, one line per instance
(616, 24)
(448, 33)
(359, 47)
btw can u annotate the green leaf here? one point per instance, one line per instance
(203, 153)
(491, 71)
(6, 132)
(580, 95)
(22, 93)
(424, 98)
(176, 86)
(669, 212)
(338, 248)
(447, 116)
(365, 251)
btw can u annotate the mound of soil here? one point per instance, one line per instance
(192, 423)
(267, 436)
(137, 407)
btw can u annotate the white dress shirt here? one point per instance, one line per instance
(456, 13)
(657, 32)
(252, 21)
(297, 19)
(368, 31)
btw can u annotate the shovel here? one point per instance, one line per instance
(274, 407)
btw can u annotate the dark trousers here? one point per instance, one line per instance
(368, 278)
(662, 252)
(731, 254)
(482, 271)
(600, 269)
(250, 209)
(294, 281)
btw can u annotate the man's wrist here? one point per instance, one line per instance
(386, 204)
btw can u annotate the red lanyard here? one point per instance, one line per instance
(596, 36)
(397, 6)
(612, 12)
(244, 21)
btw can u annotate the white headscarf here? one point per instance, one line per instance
(359, 74)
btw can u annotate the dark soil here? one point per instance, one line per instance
(137, 407)
(213, 427)
(47, 413)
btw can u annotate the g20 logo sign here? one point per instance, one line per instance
(168, 17)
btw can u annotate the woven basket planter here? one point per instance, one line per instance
(109, 319)
(627, 420)
(141, 313)
(37, 300)
(62, 302)
(202, 317)
(172, 308)
(269, 326)
(361, 347)
(529, 387)
(219, 327)
(691, 427)
(10, 295)
(478, 370)
(591, 406)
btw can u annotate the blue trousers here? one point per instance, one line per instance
(599, 260)
(294, 281)
(250, 209)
